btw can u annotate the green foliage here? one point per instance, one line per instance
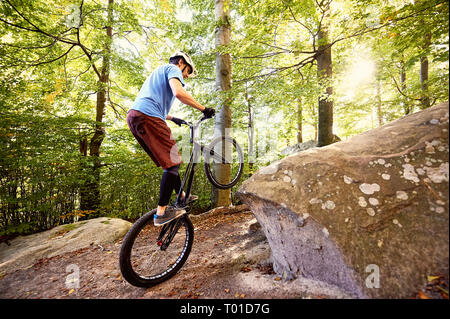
(48, 88)
(39, 159)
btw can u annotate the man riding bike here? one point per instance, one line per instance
(146, 120)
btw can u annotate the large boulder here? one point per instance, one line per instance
(24, 251)
(298, 147)
(369, 214)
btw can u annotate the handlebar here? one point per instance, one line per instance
(193, 126)
(190, 124)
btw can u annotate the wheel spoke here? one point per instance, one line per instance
(158, 252)
(223, 162)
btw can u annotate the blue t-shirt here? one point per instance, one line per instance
(155, 97)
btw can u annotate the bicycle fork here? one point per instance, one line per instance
(171, 229)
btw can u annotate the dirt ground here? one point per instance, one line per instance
(229, 259)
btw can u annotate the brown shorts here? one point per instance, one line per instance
(155, 137)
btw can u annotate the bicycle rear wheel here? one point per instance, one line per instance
(224, 162)
(150, 255)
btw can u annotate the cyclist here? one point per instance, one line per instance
(146, 120)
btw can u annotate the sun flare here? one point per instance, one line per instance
(358, 76)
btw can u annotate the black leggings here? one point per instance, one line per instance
(170, 181)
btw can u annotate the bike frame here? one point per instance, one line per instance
(196, 151)
(190, 170)
(172, 228)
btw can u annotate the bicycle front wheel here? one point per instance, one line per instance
(150, 255)
(224, 162)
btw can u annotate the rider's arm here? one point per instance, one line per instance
(182, 95)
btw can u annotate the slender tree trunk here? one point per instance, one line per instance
(90, 195)
(379, 111)
(405, 102)
(251, 135)
(315, 120)
(12, 204)
(325, 73)
(425, 101)
(299, 121)
(223, 85)
(371, 119)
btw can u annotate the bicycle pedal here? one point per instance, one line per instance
(191, 199)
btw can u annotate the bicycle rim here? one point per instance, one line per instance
(146, 259)
(224, 162)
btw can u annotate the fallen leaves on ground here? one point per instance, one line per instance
(437, 287)
(432, 278)
(246, 269)
(265, 269)
(210, 223)
(422, 295)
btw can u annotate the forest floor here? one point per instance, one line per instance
(229, 259)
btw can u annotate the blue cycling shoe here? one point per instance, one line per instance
(169, 214)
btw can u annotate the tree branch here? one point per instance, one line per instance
(81, 14)
(284, 49)
(401, 91)
(113, 105)
(36, 29)
(367, 30)
(56, 38)
(87, 54)
(299, 22)
(261, 56)
(132, 44)
(38, 62)
(30, 47)
(299, 65)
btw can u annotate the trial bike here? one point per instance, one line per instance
(149, 254)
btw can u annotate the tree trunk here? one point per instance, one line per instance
(90, 194)
(223, 85)
(379, 111)
(251, 135)
(425, 100)
(324, 74)
(299, 121)
(405, 103)
(315, 120)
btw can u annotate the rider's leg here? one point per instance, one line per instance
(155, 137)
(170, 181)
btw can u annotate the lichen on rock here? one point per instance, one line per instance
(376, 195)
(369, 189)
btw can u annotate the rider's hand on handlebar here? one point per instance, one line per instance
(178, 121)
(209, 112)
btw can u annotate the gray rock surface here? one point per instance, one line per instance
(369, 214)
(24, 251)
(299, 147)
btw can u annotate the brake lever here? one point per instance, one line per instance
(205, 118)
